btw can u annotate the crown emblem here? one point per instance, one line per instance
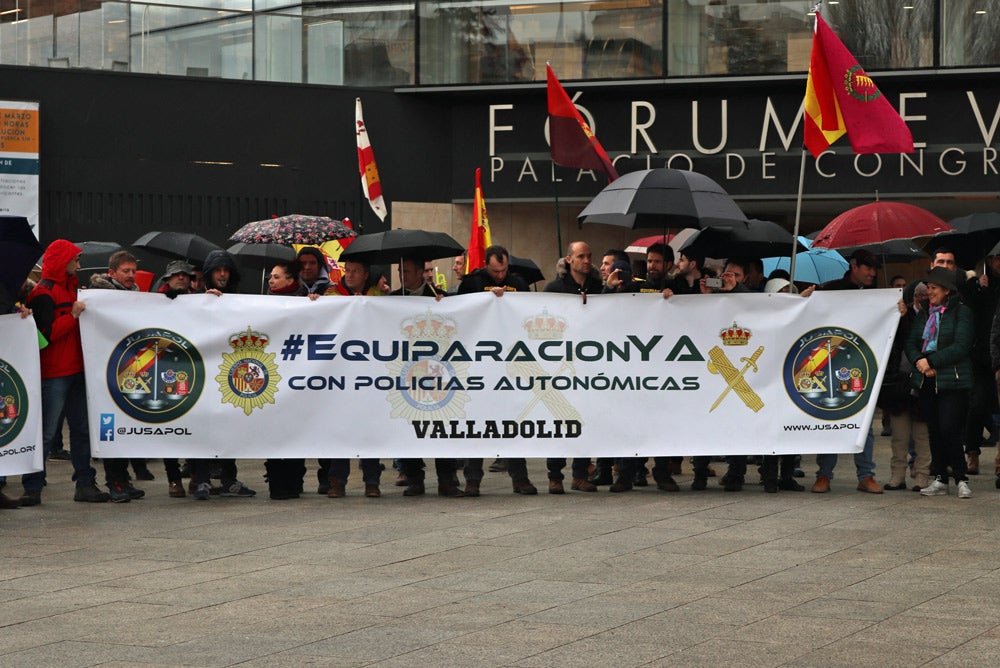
(545, 326)
(429, 326)
(249, 340)
(735, 335)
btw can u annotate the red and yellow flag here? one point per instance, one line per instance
(842, 99)
(571, 141)
(370, 182)
(479, 239)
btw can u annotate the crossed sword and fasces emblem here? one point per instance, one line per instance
(735, 379)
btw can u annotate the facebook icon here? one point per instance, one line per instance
(107, 426)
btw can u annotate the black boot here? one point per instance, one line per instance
(769, 473)
(787, 479)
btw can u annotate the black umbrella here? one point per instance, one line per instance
(662, 198)
(19, 251)
(755, 239)
(95, 254)
(897, 250)
(973, 237)
(261, 256)
(177, 245)
(390, 246)
(526, 269)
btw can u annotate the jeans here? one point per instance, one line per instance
(67, 394)
(555, 465)
(864, 461)
(517, 469)
(371, 470)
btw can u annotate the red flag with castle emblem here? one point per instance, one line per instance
(370, 182)
(571, 141)
(842, 99)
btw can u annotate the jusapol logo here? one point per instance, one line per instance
(107, 426)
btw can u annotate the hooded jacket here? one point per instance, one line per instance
(214, 260)
(51, 304)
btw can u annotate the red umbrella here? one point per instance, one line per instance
(879, 222)
(642, 243)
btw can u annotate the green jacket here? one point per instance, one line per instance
(952, 360)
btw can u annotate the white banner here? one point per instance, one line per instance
(20, 123)
(20, 392)
(525, 375)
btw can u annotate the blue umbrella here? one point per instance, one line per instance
(816, 265)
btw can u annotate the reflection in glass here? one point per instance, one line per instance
(971, 35)
(492, 42)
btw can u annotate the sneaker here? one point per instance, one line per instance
(237, 489)
(583, 485)
(202, 491)
(936, 488)
(90, 494)
(134, 493)
(963, 490)
(118, 492)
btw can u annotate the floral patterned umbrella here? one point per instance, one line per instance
(294, 229)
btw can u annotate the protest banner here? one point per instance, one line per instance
(20, 394)
(524, 375)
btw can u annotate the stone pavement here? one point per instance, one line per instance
(638, 579)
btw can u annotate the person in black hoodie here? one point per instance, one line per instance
(221, 277)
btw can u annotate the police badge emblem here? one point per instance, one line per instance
(248, 376)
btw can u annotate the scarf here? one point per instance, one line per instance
(291, 289)
(931, 328)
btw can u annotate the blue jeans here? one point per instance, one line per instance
(371, 470)
(864, 461)
(555, 465)
(68, 395)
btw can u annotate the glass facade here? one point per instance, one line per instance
(458, 42)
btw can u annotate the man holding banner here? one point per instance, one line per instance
(859, 276)
(56, 311)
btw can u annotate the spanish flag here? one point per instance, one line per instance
(571, 142)
(479, 239)
(842, 99)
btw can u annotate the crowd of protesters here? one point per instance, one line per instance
(938, 397)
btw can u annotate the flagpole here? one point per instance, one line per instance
(798, 216)
(555, 190)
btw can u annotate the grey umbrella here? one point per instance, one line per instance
(662, 198)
